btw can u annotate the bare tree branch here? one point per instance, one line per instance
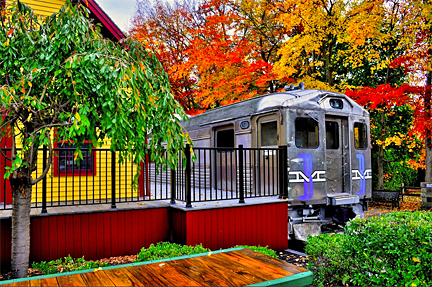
(50, 156)
(49, 126)
(45, 89)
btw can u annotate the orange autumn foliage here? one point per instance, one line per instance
(210, 59)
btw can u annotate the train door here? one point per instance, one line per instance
(268, 132)
(224, 168)
(337, 155)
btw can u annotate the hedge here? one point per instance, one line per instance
(392, 250)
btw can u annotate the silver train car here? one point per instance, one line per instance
(329, 156)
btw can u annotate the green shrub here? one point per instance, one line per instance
(69, 264)
(264, 250)
(164, 250)
(392, 250)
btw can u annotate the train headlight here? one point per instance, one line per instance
(336, 104)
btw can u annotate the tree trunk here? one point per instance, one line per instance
(20, 225)
(428, 137)
(381, 154)
(328, 68)
(380, 167)
(428, 175)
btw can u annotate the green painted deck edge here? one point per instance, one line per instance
(116, 266)
(299, 279)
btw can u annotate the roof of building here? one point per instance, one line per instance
(109, 29)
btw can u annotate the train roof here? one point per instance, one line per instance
(309, 99)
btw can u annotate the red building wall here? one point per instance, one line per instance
(5, 189)
(95, 235)
(263, 224)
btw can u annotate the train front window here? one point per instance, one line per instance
(269, 134)
(332, 135)
(306, 133)
(360, 136)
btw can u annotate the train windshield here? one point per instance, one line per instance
(306, 133)
(360, 135)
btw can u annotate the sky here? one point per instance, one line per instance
(120, 11)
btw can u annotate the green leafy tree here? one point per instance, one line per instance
(60, 73)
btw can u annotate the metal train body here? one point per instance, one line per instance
(329, 157)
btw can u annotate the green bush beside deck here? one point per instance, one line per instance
(392, 250)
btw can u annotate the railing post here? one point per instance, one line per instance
(113, 180)
(283, 169)
(44, 181)
(241, 174)
(188, 176)
(173, 186)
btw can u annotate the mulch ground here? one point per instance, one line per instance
(410, 203)
(295, 259)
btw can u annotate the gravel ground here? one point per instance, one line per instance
(295, 259)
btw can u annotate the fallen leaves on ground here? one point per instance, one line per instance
(410, 203)
(295, 259)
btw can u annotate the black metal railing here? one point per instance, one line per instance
(215, 174)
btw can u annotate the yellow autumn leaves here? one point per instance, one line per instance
(363, 28)
(397, 140)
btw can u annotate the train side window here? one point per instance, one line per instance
(225, 138)
(306, 133)
(269, 134)
(360, 136)
(332, 135)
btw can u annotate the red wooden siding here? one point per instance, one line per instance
(5, 244)
(265, 224)
(178, 218)
(5, 189)
(94, 235)
(97, 235)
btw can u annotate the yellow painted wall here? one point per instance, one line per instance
(42, 7)
(88, 187)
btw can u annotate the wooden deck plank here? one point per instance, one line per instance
(220, 272)
(98, 278)
(242, 269)
(251, 261)
(21, 283)
(194, 271)
(70, 280)
(143, 276)
(266, 270)
(122, 277)
(267, 261)
(224, 270)
(50, 281)
(168, 275)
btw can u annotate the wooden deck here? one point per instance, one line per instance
(231, 267)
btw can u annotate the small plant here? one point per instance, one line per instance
(165, 250)
(264, 250)
(69, 264)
